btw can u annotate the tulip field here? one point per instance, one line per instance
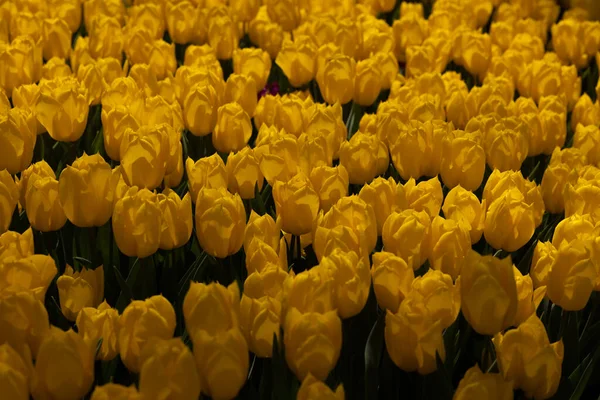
(299, 199)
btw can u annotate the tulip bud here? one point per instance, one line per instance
(222, 362)
(15, 381)
(509, 221)
(425, 196)
(93, 8)
(141, 321)
(311, 291)
(285, 13)
(439, 294)
(463, 161)
(382, 195)
(168, 367)
(517, 348)
(94, 324)
(106, 37)
(23, 62)
(223, 35)
(254, 63)
(18, 139)
(220, 221)
(15, 244)
(80, 289)
(351, 280)
(44, 210)
(450, 243)
(56, 38)
(63, 351)
(260, 322)
(26, 97)
(368, 81)
(392, 279)
(476, 384)
(360, 157)
(207, 172)
(39, 169)
(574, 227)
(464, 207)
(9, 196)
(262, 228)
(144, 155)
(63, 109)
(572, 275)
(413, 338)
(407, 234)
(179, 21)
(114, 391)
(86, 190)
(244, 10)
(506, 145)
(233, 129)
(297, 60)
(587, 139)
(244, 174)
(544, 255)
(177, 226)
(336, 79)
(331, 184)
(473, 51)
(312, 388)
(488, 293)
(297, 204)
(529, 300)
(23, 320)
(137, 222)
(33, 274)
(324, 331)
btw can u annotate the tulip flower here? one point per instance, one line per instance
(80, 289)
(98, 323)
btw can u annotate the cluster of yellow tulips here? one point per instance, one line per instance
(299, 199)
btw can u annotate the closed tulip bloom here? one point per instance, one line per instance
(168, 371)
(262, 228)
(44, 210)
(425, 196)
(260, 322)
(233, 129)
(582, 198)
(223, 35)
(488, 293)
(177, 221)
(509, 221)
(528, 359)
(26, 97)
(463, 161)
(506, 145)
(297, 60)
(244, 10)
(450, 241)
(544, 255)
(392, 279)
(312, 388)
(16, 244)
(63, 352)
(16, 377)
(241, 89)
(336, 79)
(179, 23)
(114, 391)
(207, 172)
(200, 109)
(222, 362)
(310, 291)
(22, 60)
(414, 338)
(244, 174)
(93, 8)
(572, 275)
(86, 189)
(80, 289)
(288, 115)
(137, 222)
(587, 139)
(63, 109)
(585, 112)
(56, 38)
(96, 77)
(410, 148)
(94, 324)
(465, 208)
(440, 295)
(285, 13)
(360, 157)
(252, 62)
(33, 274)
(56, 68)
(574, 227)
(261, 256)
(115, 122)
(382, 194)
(297, 204)
(331, 184)
(351, 280)
(529, 299)
(23, 321)
(313, 342)
(368, 81)
(478, 385)
(144, 155)
(18, 139)
(220, 222)
(407, 234)
(9, 196)
(141, 321)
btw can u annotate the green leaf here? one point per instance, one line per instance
(373, 353)
(126, 285)
(581, 386)
(571, 341)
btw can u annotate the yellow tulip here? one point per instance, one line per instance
(9, 196)
(359, 156)
(43, 207)
(114, 391)
(331, 184)
(252, 62)
(476, 384)
(450, 243)
(407, 234)
(177, 222)
(392, 279)
(297, 204)
(260, 322)
(233, 129)
(94, 324)
(15, 381)
(80, 289)
(336, 79)
(15, 244)
(244, 174)
(297, 59)
(18, 139)
(311, 388)
(465, 208)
